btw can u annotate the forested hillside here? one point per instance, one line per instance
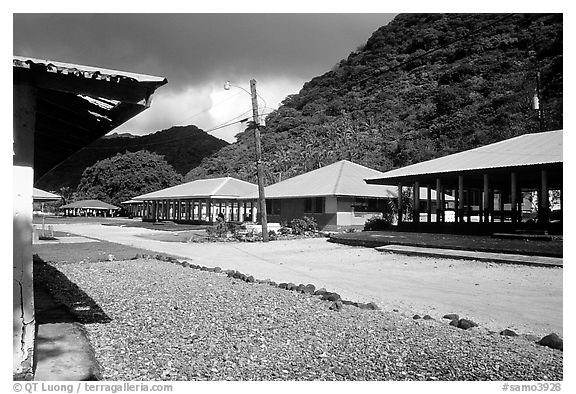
(183, 147)
(421, 87)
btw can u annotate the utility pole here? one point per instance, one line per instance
(536, 105)
(261, 196)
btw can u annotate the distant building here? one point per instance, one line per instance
(199, 201)
(489, 183)
(89, 208)
(335, 195)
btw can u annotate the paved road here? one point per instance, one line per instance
(498, 296)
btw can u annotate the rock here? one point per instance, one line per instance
(111, 257)
(309, 289)
(300, 288)
(336, 306)
(185, 264)
(217, 269)
(508, 333)
(454, 322)
(272, 283)
(331, 297)
(416, 317)
(552, 341)
(291, 286)
(283, 285)
(451, 316)
(250, 279)
(345, 302)
(428, 317)
(320, 291)
(369, 306)
(465, 324)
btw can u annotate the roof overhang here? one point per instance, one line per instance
(76, 105)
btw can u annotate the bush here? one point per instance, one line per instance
(376, 223)
(300, 226)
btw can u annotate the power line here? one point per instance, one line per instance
(467, 35)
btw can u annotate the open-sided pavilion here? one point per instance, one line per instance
(488, 184)
(199, 201)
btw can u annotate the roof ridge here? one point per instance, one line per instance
(340, 170)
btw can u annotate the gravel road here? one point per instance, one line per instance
(167, 322)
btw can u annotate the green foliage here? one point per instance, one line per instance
(127, 175)
(470, 93)
(183, 147)
(376, 223)
(301, 226)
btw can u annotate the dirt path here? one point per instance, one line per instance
(525, 299)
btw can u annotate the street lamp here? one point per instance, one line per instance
(261, 196)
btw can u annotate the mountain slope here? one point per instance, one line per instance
(183, 147)
(423, 86)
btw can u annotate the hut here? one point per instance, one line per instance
(489, 183)
(89, 208)
(200, 201)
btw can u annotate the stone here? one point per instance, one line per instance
(428, 317)
(552, 341)
(451, 316)
(300, 288)
(465, 324)
(336, 306)
(508, 333)
(185, 264)
(217, 269)
(369, 306)
(331, 297)
(283, 285)
(320, 291)
(250, 279)
(416, 317)
(272, 283)
(346, 302)
(454, 322)
(291, 286)
(309, 289)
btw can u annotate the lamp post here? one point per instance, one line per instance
(261, 196)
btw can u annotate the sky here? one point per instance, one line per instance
(198, 53)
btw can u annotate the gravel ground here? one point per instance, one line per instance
(163, 321)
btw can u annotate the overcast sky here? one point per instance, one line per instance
(197, 53)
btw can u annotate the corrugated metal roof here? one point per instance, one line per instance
(85, 71)
(41, 195)
(524, 150)
(227, 187)
(90, 204)
(342, 178)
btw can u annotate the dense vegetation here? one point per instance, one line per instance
(127, 175)
(413, 92)
(183, 147)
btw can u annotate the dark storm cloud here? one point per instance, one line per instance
(190, 48)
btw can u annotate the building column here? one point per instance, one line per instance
(438, 200)
(460, 209)
(543, 199)
(429, 203)
(416, 202)
(486, 199)
(254, 211)
(399, 203)
(514, 197)
(209, 209)
(23, 324)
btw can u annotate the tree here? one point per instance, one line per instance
(127, 175)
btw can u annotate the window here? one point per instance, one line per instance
(308, 205)
(273, 207)
(319, 205)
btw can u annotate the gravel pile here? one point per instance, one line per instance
(162, 321)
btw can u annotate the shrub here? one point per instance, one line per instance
(300, 226)
(376, 223)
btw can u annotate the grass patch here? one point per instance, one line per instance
(86, 252)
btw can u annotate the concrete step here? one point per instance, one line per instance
(506, 258)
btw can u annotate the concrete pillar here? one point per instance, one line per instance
(486, 200)
(428, 204)
(254, 211)
(514, 198)
(543, 198)
(460, 209)
(23, 324)
(399, 202)
(416, 202)
(438, 200)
